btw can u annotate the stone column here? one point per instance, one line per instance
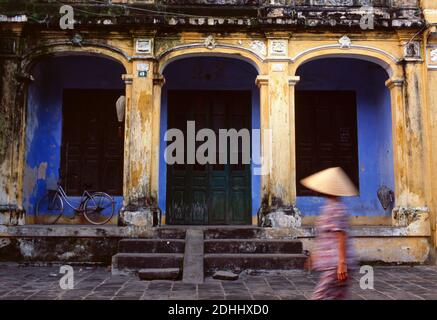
(396, 87)
(292, 81)
(277, 120)
(127, 78)
(262, 82)
(158, 82)
(281, 176)
(13, 88)
(410, 148)
(138, 199)
(415, 135)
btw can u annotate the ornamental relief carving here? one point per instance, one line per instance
(345, 42)
(412, 51)
(432, 57)
(278, 47)
(258, 46)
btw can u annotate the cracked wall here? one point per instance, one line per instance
(11, 126)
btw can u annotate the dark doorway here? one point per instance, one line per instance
(326, 134)
(92, 148)
(210, 193)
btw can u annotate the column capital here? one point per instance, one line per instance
(127, 78)
(158, 80)
(293, 80)
(394, 82)
(262, 80)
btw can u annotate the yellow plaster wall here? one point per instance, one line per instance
(429, 10)
(386, 249)
(277, 104)
(143, 106)
(357, 220)
(432, 104)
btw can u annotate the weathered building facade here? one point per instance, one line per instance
(326, 82)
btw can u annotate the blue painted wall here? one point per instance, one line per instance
(44, 118)
(374, 127)
(44, 115)
(211, 73)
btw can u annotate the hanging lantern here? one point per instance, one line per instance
(120, 107)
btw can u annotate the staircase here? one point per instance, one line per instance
(240, 249)
(157, 258)
(224, 248)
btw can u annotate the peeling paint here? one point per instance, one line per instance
(26, 248)
(277, 188)
(43, 135)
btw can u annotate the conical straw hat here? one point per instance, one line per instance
(332, 181)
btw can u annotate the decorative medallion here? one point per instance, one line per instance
(259, 47)
(144, 46)
(433, 56)
(210, 42)
(278, 47)
(412, 50)
(77, 40)
(345, 42)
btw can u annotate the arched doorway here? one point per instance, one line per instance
(217, 93)
(72, 130)
(343, 118)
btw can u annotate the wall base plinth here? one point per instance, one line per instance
(12, 216)
(282, 217)
(138, 217)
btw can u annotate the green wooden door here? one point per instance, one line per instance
(209, 193)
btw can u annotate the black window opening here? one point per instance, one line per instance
(326, 135)
(92, 147)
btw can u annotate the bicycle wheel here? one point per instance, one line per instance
(49, 209)
(99, 208)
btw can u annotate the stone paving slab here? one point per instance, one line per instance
(96, 283)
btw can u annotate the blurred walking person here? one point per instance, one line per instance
(332, 255)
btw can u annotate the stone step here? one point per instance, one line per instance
(193, 258)
(151, 246)
(135, 261)
(257, 261)
(159, 274)
(171, 233)
(252, 246)
(232, 233)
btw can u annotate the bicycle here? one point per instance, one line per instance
(96, 207)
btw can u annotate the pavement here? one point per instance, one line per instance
(19, 282)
